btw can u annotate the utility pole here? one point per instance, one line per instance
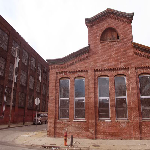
(14, 80)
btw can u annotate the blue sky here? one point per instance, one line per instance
(56, 28)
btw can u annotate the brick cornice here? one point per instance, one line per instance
(111, 13)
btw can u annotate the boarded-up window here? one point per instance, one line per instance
(3, 40)
(25, 57)
(64, 99)
(109, 34)
(79, 98)
(2, 66)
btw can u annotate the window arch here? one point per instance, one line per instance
(109, 34)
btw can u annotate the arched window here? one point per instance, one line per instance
(145, 95)
(109, 34)
(103, 94)
(64, 98)
(121, 97)
(79, 110)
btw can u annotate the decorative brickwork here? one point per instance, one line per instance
(3, 40)
(108, 74)
(2, 66)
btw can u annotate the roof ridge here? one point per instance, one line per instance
(128, 16)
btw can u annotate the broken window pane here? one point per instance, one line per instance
(3, 40)
(8, 96)
(25, 57)
(2, 66)
(11, 70)
(23, 78)
(145, 95)
(38, 85)
(32, 65)
(30, 101)
(44, 89)
(79, 113)
(15, 46)
(22, 98)
(31, 82)
(43, 105)
(121, 99)
(64, 98)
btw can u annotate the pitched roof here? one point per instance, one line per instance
(108, 12)
(141, 47)
(69, 57)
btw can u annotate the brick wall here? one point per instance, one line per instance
(105, 58)
(23, 108)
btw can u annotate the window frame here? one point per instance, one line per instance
(142, 97)
(78, 98)
(121, 97)
(101, 98)
(63, 98)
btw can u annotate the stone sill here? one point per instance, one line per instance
(79, 120)
(106, 120)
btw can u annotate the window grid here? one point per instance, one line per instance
(79, 99)
(103, 98)
(121, 97)
(144, 97)
(64, 100)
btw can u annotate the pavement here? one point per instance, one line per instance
(39, 139)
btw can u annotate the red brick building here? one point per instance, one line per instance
(27, 86)
(102, 90)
